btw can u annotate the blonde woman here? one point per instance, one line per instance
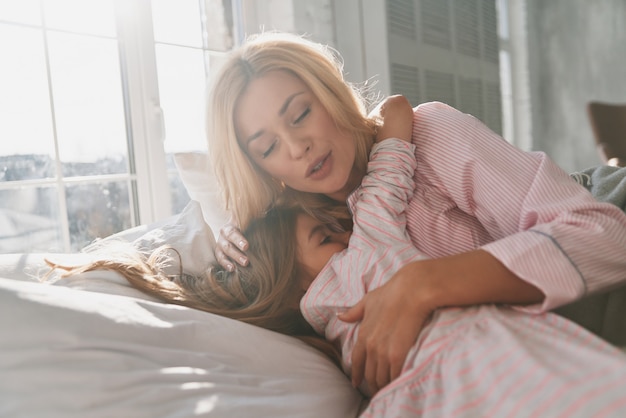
(499, 225)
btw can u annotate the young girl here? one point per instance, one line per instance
(479, 361)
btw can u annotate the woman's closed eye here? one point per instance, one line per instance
(269, 150)
(298, 120)
(302, 116)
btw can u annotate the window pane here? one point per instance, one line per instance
(29, 221)
(181, 87)
(177, 22)
(26, 126)
(218, 24)
(88, 103)
(178, 193)
(26, 167)
(21, 11)
(95, 17)
(215, 60)
(97, 211)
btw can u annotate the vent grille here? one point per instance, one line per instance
(435, 22)
(446, 50)
(466, 27)
(440, 87)
(471, 97)
(401, 18)
(493, 102)
(405, 81)
(490, 31)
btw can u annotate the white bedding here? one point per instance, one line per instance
(94, 346)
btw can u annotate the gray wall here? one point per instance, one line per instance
(576, 53)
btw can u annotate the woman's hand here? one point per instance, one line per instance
(230, 247)
(392, 317)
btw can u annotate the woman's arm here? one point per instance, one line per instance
(393, 315)
(542, 226)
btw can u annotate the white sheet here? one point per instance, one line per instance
(94, 346)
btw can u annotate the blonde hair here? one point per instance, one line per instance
(247, 190)
(266, 293)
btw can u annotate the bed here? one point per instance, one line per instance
(91, 345)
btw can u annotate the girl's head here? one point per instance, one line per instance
(287, 250)
(316, 243)
(286, 95)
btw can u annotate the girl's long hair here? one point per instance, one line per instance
(247, 190)
(266, 293)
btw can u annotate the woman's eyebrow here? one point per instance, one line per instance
(288, 102)
(281, 112)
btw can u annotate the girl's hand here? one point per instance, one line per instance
(397, 119)
(230, 247)
(392, 317)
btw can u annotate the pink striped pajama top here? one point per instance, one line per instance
(461, 188)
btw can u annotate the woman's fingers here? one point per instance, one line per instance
(358, 364)
(234, 235)
(391, 318)
(382, 374)
(395, 368)
(371, 369)
(353, 314)
(230, 246)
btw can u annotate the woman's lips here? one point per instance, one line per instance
(320, 168)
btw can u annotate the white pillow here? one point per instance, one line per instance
(73, 353)
(92, 345)
(199, 180)
(187, 232)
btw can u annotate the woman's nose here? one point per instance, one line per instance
(298, 147)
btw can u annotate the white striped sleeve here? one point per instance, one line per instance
(548, 229)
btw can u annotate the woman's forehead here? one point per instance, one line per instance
(265, 98)
(273, 85)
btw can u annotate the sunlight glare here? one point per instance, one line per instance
(96, 17)
(21, 11)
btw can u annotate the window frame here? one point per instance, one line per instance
(145, 123)
(147, 176)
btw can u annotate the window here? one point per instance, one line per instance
(97, 96)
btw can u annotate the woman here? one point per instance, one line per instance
(500, 225)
